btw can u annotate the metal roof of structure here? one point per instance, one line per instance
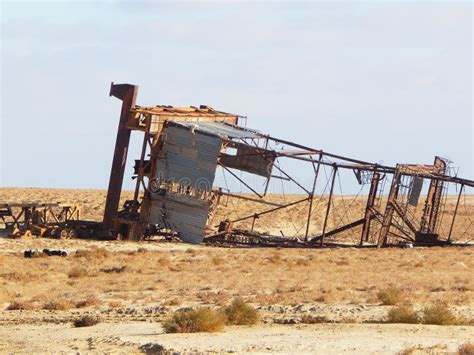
(202, 110)
(223, 130)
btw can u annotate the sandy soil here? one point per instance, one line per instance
(135, 286)
(128, 337)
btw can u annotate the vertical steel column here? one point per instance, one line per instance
(140, 169)
(389, 209)
(368, 209)
(316, 173)
(433, 200)
(128, 94)
(329, 205)
(455, 212)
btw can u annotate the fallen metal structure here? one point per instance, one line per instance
(183, 148)
(58, 220)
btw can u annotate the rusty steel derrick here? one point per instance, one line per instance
(182, 149)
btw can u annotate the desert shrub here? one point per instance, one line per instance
(240, 313)
(440, 314)
(77, 272)
(390, 296)
(218, 260)
(88, 302)
(403, 314)
(86, 321)
(466, 349)
(194, 321)
(115, 269)
(58, 305)
(92, 253)
(310, 319)
(20, 306)
(275, 258)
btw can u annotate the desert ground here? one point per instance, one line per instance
(132, 287)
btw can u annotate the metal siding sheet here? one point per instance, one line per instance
(190, 158)
(186, 215)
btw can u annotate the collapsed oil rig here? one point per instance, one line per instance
(183, 148)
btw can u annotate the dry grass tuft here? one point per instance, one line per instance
(92, 253)
(403, 314)
(115, 304)
(58, 305)
(86, 321)
(275, 258)
(194, 321)
(240, 313)
(218, 260)
(466, 349)
(390, 296)
(114, 270)
(310, 319)
(440, 314)
(77, 272)
(21, 306)
(90, 301)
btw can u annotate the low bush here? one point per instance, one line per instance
(310, 319)
(114, 270)
(77, 272)
(194, 321)
(240, 313)
(86, 321)
(218, 260)
(403, 314)
(90, 301)
(58, 305)
(440, 314)
(466, 349)
(92, 253)
(21, 306)
(390, 296)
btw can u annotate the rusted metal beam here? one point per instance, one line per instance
(250, 199)
(269, 211)
(334, 171)
(128, 94)
(433, 200)
(389, 209)
(369, 207)
(310, 208)
(455, 213)
(242, 181)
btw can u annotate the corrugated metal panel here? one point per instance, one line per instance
(188, 158)
(220, 129)
(184, 214)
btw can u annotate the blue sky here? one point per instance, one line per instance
(379, 81)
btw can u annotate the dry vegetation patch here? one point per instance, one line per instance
(58, 305)
(441, 314)
(21, 306)
(466, 349)
(390, 296)
(403, 314)
(86, 321)
(240, 313)
(194, 321)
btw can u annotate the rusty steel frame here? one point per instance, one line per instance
(128, 94)
(135, 118)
